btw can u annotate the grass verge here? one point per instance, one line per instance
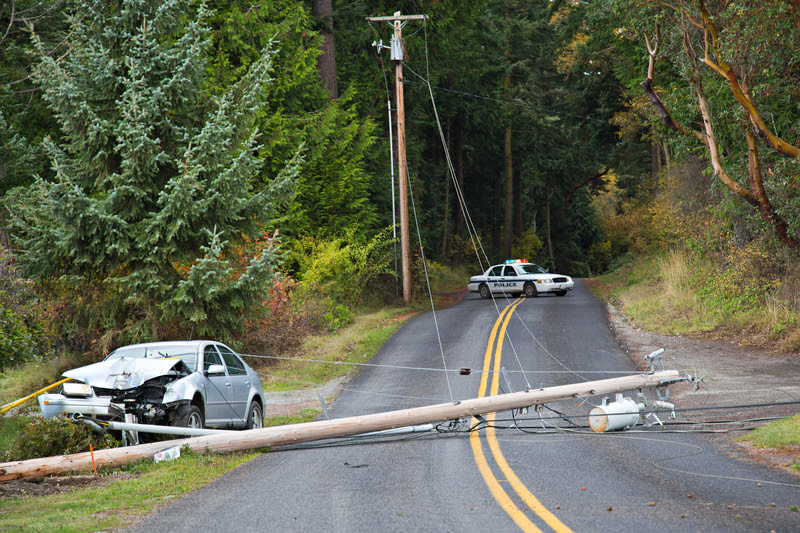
(782, 436)
(146, 487)
(323, 358)
(678, 293)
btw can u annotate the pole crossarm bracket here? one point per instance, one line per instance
(397, 16)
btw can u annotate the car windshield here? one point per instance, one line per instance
(533, 268)
(186, 352)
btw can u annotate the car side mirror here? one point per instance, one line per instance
(215, 369)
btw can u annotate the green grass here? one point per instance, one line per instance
(355, 343)
(120, 502)
(305, 415)
(781, 434)
(675, 294)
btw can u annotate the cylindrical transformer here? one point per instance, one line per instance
(621, 413)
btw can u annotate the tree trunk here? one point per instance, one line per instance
(459, 152)
(549, 240)
(447, 179)
(508, 218)
(326, 62)
(518, 222)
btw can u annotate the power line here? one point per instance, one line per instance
(514, 102)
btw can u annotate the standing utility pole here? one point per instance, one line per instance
(398, 56)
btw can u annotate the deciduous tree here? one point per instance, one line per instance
(743, 82)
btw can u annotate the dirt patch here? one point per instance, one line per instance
(732, 375)
(290, 403)
(449, 299)
(56, 485)
(403, 317)
(741, 384)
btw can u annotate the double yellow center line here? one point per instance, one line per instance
(518, 515)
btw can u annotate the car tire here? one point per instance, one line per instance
(530, 290)
(484, 291)
(561, 293)
(189, 416)
(255, 416)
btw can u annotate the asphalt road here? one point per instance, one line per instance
(543, 471)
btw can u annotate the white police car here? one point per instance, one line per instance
(518, 276)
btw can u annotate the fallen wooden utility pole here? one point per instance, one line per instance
(342, 427)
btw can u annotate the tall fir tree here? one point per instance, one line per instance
(332, 190)
(156, 176)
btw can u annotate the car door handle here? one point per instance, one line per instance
(228, 384)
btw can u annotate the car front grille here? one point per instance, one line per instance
(559, 280)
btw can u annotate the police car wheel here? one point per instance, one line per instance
(530, 290)
(484, 291)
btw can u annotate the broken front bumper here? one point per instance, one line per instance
(53, 405)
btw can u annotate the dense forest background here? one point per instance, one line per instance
(224, 169)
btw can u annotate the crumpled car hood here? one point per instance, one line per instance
(123, 373)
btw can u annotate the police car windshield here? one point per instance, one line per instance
(532, 268)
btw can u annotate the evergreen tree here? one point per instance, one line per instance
(555, 114)
(332, 189)
(155, 175)
(24, 118)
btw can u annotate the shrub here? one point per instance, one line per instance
(279, 323)
(461, 251)
(55, 436)
(744, 275)
(346, 269)
(527, 246)
(337, 317)
(23, 336)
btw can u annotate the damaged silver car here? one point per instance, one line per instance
(190, 384)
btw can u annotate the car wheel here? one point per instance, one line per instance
(530, 290)
(255, 416)
(189, 416)
(484, 291)
(561, 293)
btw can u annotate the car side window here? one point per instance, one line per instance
(497, 271)
(510, 271)
(210, 357)
(235, 365)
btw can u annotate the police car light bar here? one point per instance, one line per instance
(516, 260)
